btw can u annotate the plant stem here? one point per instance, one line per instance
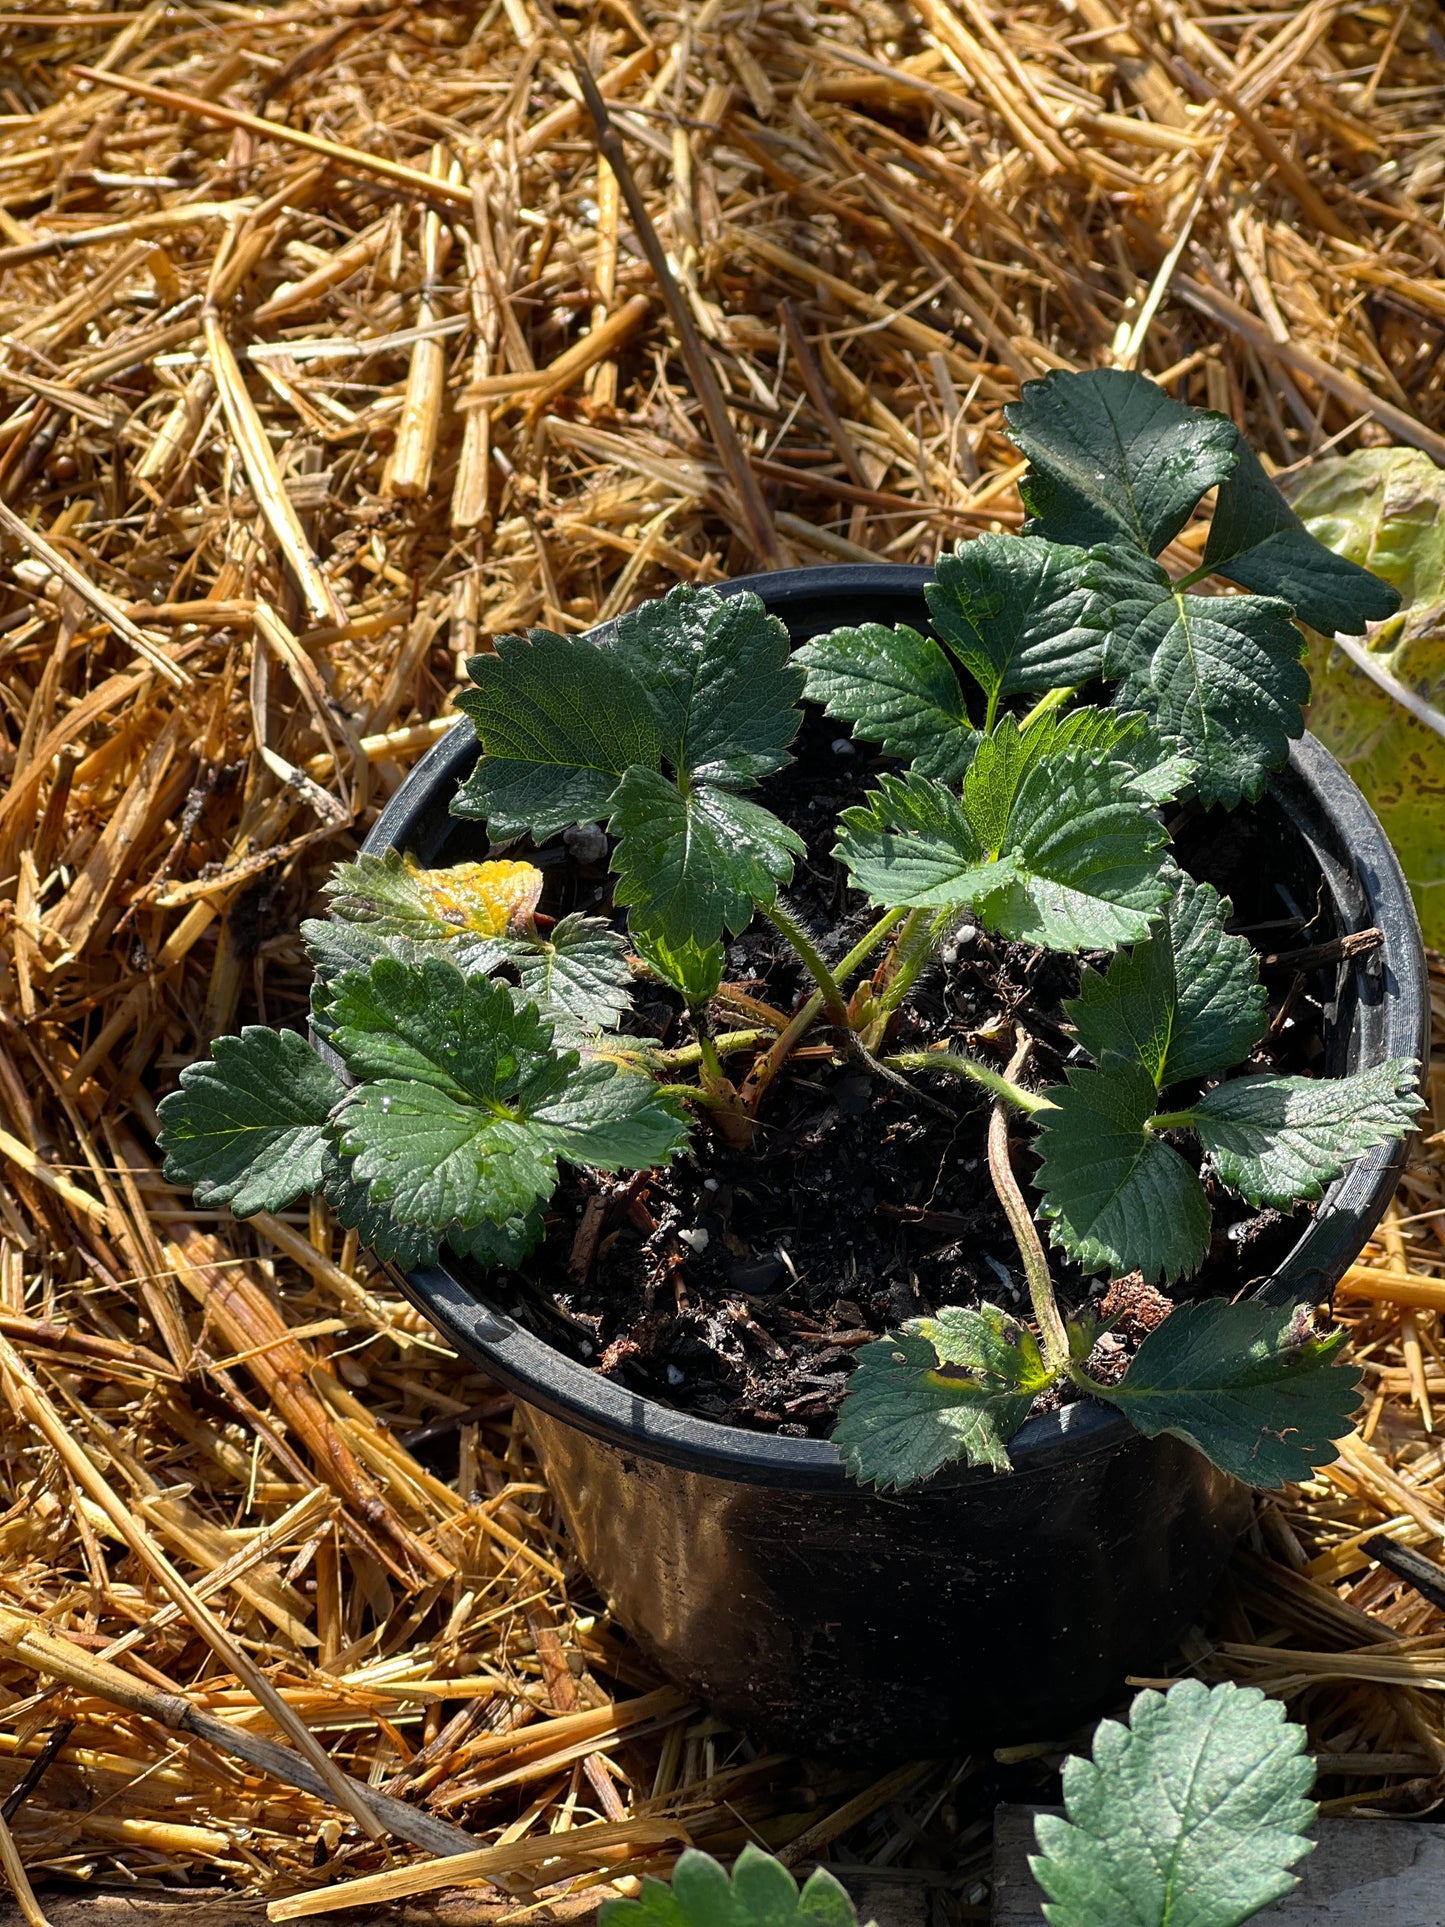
(732, 997)
(913, 954)
(1052, 1329)
(1170, 1121)
(1003, 1088)
(1194, 575)
(1053, 699)
(822, 976)
(768, 1066)
(692, 1094)
(722, 1045)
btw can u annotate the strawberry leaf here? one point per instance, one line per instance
(897, 689)
(1117, 1197)
(1047, 848)
(692, 864)
(1248, 1385)
(248, 1126)
(957, 1386)
(395, 896)
(760, 1893)
(1155, 773)
(716, 669)
(559, 719)
(1113, 458)
(471, 1106)
(1258, 541)
(1221, 676)
(1278, 1139)
(1185, 1002)
(1191, 1816)
(577, 976)
(694, 969)
(1019, 613)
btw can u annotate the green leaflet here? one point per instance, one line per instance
(1117, 1197)
(717, 672)
(1048, 848)
(897, 689)
(1019, 613)
(760, 1893)
(1186, 1001)
(396, 896)
(1248, 1385)
(247, 1127)
(690, 865)
(1258, 541)
(1156, 774)
(470, 1106)
(904, 1414)
(577, 976)
(1279, 1139)
(1114, 458)
(1190, 1816)
(1222, 678)
(694, 969)
(559, 719)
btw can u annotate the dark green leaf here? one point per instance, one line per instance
(577, 976)
(1048, 849)
(691, 865)
(1185, 1002)
(1113, 457)
(472, 1106)
(717, 670)
(1191, 1816)
(1257, 540)
(408, 1246)
(1222, 678)
(1118, 1198)
(559, 719)
(897, 689)
(499, 1244)
(1019, 613)
(957, 1386)
(247, 1126)
(1276, 1140)
(761, 1893)
(694, 969)
(1248, 1385)
(1156, 773)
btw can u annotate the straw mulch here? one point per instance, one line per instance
(321, 366)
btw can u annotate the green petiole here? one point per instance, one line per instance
(993, 1081)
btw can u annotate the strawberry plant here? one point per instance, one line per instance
(1194, 1812)
(1071, 689)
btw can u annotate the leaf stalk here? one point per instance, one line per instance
(1001, 1087)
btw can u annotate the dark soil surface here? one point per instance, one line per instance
(739, 1284)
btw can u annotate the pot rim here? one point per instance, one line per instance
(545, 1377)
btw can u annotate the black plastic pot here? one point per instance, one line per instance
(980, 1609)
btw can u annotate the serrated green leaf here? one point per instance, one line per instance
(1186, 1001)
(1048, 849)
(691, 865)
(1258, 541)
(694, 969)
(1248, 1385)
(905, 1413)
(577, 976)
(1191, 1816)
(335, 947)
(559, 719)
(471, 1105)
(1221, 676)
(717, 671)
(897, 689)
(1114, 458)
(1118, 1198)
(1019, 613)
(490, 1244)
(1156, 773)
(760, 1893)
(248, 1126)
(1276, 1140)
(408, 1246)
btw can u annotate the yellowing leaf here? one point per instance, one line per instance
(487, 898)
(1385, 508)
